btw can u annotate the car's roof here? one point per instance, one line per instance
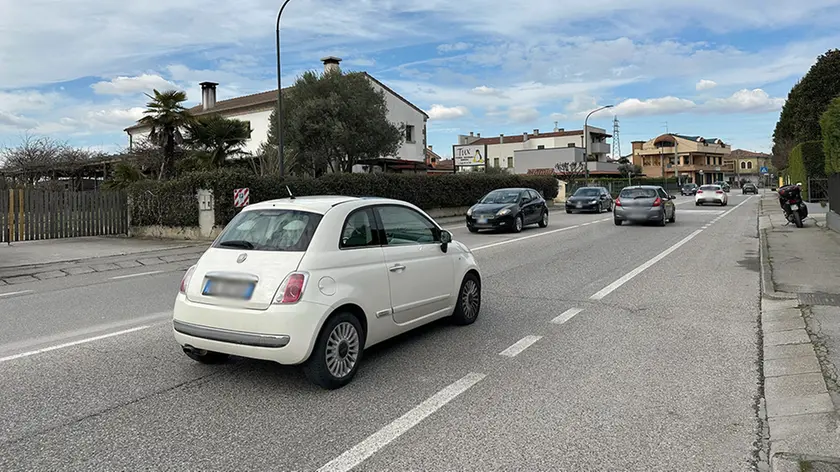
(315, 203)
(652, 187)
(510, 189)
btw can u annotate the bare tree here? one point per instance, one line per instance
(571, 172)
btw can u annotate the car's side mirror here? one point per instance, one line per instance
(445, 240)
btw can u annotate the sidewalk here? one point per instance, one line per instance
(31, 261)
(800, 320)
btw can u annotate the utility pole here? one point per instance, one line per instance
(616, 144)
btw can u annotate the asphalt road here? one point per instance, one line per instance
(598, 347)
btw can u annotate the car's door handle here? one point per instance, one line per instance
(397, 268)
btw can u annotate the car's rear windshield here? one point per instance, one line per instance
(269, 230)
(587, 192)
(629, 193)
(710, 187)
(501, 196)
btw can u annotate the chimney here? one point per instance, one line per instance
(208, 95)
(524, 136)
(471, 133)
(331, 64)
(430, 147)
(536, 132)
(556, 129)
(478, 135)
(501, 138)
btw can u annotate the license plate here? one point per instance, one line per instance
(580, 205)
(228, 289)
(794, 207)
(482, 221)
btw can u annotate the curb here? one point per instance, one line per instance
(768, 288)
(40, 272)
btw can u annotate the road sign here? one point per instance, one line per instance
(241, 197)
(763, 170)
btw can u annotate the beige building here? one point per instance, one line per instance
(473, 151)
(748, 164)
(699, 160)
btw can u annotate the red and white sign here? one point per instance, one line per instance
(241, 197)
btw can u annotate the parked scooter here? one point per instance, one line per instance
(790, 198)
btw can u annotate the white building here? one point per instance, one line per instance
(519, 153)
(256, 110)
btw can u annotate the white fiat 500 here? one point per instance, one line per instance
(316, 280)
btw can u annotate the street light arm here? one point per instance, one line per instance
(586, 139)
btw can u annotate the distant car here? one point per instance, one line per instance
(508, 208)
(595, 199)
(314, 281)
(723, 185)
(644, 203)
(711, 194)
(749, 188)
(688, 189)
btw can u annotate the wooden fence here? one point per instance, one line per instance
(31, 214)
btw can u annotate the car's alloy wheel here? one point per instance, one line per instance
(337, 352)
(468, 305)
(517, 224)
(544, 219)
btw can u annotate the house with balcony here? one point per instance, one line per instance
(538, 150)
(747, 165)
(691, 158)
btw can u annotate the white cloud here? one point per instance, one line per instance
(117, 117)
(360, 62)
(12, 121)
(27, 100)
(460, 46)
(485, 90)
(440, 112)
(653, 106)
(746, 101)
(705, 84)
(133, 85)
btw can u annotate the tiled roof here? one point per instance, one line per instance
(267, 100)
(745, 153)
(518, 138)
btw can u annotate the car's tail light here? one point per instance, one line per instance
(699, 191)
(185, 280)
(618, 202)
(291, 290)
(657, 202)
(719, 192)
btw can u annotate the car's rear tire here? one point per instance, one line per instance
(544, 219)
(469, 301)
(517, 224)
(696, 203)
(337, 352)
(663, 221)
(206, 357)
(617, 222)
(673, 218)
(472, 229)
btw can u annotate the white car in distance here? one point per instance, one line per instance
(314, 281)
(711, 194)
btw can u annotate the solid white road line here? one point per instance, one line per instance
(566, 315)
(136, 275)
(9, 294)
(73, 343)
(520, 346)
(638, 270)
(360, 452)
(537, 235)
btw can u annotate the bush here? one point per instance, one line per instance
(173, 203)
(806, 161)
(830, 125)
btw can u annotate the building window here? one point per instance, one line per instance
(685, 160)
(409, 133)
(510, 162)
(571, 145)
(541, 146)
(495, 162)
(749, 165)
(743, 165)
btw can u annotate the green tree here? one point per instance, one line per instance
(166, 116)
(629, 169)
(830, 126)
(806, 102)
(214, 138)
(333, 120)
(124, 174)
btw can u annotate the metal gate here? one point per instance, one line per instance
(817, 190)
(32, 214)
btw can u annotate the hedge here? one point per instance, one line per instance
(173, 203)
(806, 160)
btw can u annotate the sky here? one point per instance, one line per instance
(77, 70)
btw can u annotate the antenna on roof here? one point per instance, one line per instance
(290, 192)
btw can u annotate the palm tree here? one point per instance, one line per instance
(215, 138)
(166, 115)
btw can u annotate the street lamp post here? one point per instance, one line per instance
(280, 163)
(586, 139)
